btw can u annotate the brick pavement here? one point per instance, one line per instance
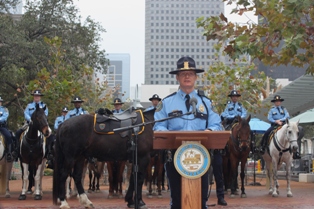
(257, 197)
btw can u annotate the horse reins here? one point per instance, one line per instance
(277, 145)
(237, 139)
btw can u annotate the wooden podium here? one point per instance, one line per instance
(191, 197)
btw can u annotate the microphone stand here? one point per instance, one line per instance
(134, 146)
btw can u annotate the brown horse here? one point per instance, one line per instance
(115, 173)
(95, 170)
(76, 141)
(238, 149)
(156, 162)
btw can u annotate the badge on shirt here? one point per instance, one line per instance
(201, 108)
(159, 106)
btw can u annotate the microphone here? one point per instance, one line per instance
(193, 102)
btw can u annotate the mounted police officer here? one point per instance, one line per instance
(60, 119)
(117, 103)
(9, 139)
(78, 110)
(203, 119)
(29, 110)
(232, 110)
(155, 99)
(277, 116)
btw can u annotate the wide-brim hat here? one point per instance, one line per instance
(1, 100)
(234, 93)
(77, 100)
(37, 93)
(65, 109)
(186, 64)
(277, 98)
(155, 96)
(117, 101)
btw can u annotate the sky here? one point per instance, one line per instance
(124, 21)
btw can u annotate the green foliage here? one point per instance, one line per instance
(287, 21)
(63, 83)
(32, 55)
(240, 75)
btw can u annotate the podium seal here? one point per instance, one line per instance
(191, 160)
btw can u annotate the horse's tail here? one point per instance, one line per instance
(57, 169)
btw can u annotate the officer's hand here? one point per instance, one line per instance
(208, 130)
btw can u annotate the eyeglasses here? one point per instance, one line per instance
(185, 74)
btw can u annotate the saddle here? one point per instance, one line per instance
(105, 123)
(272, 133)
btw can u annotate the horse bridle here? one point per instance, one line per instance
(238, 140)
(278, 145)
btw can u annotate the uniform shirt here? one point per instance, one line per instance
(115, 111)
(277, 113)
(31, 107)
(4, 114)
(233, 110)
(176, 102)
(58, 121)
(149, 108)
(75, 112)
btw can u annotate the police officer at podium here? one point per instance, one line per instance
(203, 118)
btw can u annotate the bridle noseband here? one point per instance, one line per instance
(237, 140)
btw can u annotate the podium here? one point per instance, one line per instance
(191, 188)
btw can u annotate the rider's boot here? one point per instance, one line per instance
(9, 153)
(263, 147)
(15, 148)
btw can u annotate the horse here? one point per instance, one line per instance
(281, 147)
(7, 165)
(156, 161)
(237, 150)
(115, 174)
(77, 140)
(32, 151)
(95, 171)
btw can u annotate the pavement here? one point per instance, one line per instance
(257, 197)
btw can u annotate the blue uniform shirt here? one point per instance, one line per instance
(58, 121)
(75, 112)
(176, 102)
(278, 113)
(4, 114)
(232, 110)
(115, 111)
(31, 107)
(149, 108)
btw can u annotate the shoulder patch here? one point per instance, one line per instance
(159, 106)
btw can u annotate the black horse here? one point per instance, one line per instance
(32, 151)
(76, 141)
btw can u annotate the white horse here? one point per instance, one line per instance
(6, 165)
(281, 148)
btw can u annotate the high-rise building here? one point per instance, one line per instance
(171, 32)
(118, 75)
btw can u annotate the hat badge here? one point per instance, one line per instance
(186, 65)
(116, 101)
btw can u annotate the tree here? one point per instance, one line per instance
(240, 75)
(27, 56)
(285, 34)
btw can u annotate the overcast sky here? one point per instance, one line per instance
(124, 21)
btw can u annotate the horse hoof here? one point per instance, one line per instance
(159, 196)
(232, 196)
(90, 191)
(290, 195)
(110, 196)
(89, 206)
(7, 196)
(270, 192)
(274, 195)
(243, 195)
(37, 197)
(22, 197)
(29, 192)
(150, 196)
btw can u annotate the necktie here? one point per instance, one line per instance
(233, 105)
(77, 110)
(278, 110)
(63, 117)
(187, 102)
